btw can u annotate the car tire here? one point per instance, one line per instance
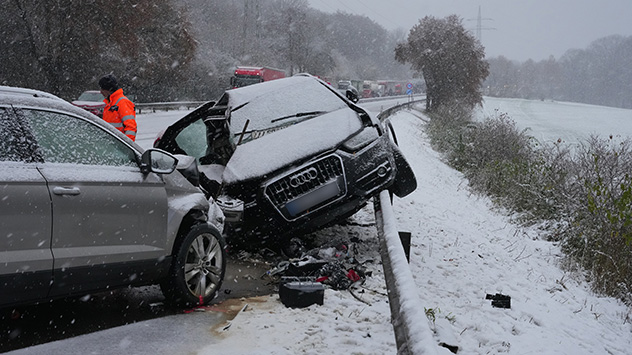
(198, 268)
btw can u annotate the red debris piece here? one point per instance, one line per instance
(353, 276)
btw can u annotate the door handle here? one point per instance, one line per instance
(60, 190)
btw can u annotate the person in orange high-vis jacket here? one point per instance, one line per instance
(119, 111)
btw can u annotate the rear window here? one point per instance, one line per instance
(91, 96)
(343, 85)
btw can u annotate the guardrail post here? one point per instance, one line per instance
(404, 237)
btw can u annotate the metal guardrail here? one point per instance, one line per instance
(178, 105)
(391, 110)
(412, 331)
(410, 324)
(166, 106)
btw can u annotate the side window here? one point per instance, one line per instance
(15, 144)
(67, 139)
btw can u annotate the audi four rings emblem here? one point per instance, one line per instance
(303, 177)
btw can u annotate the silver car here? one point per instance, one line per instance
(84, 209)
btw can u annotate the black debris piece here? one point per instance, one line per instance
(300, 292)
(499, 300)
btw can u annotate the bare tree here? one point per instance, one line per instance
(64, 46)
(170, 49)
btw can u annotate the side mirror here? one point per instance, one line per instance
(157, 161)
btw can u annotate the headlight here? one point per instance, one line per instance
(362, 139)
(232, 208)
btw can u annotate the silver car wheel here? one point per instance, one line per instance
(198, 268)
(203, 265)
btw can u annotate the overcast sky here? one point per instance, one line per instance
(517, 29)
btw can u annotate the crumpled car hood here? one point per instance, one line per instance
(277, 149)
(265, 102)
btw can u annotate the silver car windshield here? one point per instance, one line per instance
(277, 104)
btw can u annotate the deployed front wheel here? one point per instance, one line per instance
(198, 268)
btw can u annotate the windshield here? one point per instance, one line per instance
(90, 96)
(276, 104)
(343, 85)
(245, 80)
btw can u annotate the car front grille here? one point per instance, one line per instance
(308, 188)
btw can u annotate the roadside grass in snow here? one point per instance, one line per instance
(582, 196)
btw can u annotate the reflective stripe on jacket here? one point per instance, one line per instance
(120, 112)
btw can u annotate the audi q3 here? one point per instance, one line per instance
(288, 156)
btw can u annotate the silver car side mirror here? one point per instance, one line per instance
(157, 161)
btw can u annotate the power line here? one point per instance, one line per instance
(376, 13)
(354, 11)
(335, 9)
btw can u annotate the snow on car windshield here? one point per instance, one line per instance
(281, 148)
(276, 103)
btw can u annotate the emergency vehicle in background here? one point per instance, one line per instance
(398, 89)
(245, 76)
(370, 89)
(392, 87)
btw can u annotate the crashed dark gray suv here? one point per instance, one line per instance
(288, 156)
(84, 209)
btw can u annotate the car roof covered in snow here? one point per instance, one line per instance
(13, 92)
(23, 97)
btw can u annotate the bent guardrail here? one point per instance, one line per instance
(410, 324)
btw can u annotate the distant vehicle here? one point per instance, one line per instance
(245, 76)
(370, 89)
(346, 88)
(288, 156)
(398, 89)
(84, 209)
(91, 101)
(392, 87)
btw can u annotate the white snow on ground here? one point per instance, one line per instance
(461, 250)
(571, 122)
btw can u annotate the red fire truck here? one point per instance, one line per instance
(245, 76)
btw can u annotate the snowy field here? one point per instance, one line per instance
(549, 121)
(461, 251)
